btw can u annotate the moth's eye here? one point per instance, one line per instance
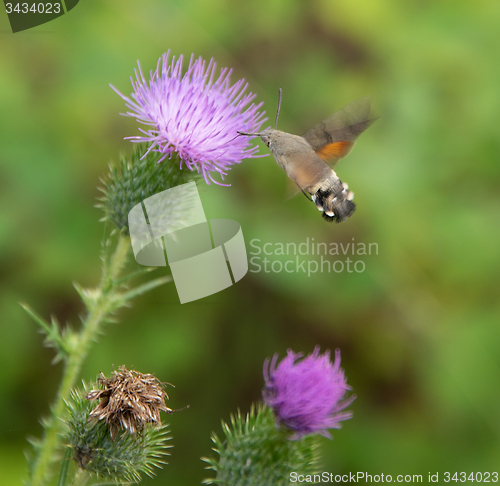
(268, 143)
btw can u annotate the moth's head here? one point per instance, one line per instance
(266, 136)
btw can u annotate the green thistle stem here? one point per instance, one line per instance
(64, 467)
(137, 178)
(105, 303)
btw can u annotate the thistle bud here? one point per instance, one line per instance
(139, 177)
(254, 452)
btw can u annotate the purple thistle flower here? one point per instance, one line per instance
(307, 396)
(194, 115)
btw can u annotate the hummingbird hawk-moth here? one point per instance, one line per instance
(305, 158)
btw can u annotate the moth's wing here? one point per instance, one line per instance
(334, 137)
(307, 170)
(291, 189)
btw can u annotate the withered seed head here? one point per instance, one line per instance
(129, 400)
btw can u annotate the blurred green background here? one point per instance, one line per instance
(418, 329)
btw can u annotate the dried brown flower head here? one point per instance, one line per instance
(129, 400)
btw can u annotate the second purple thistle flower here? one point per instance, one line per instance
(307, 396)
(194, 115)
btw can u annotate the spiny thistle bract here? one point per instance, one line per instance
(255, 453)
(137, 180)
(123, 459)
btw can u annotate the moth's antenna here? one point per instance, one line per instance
(279, 108)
